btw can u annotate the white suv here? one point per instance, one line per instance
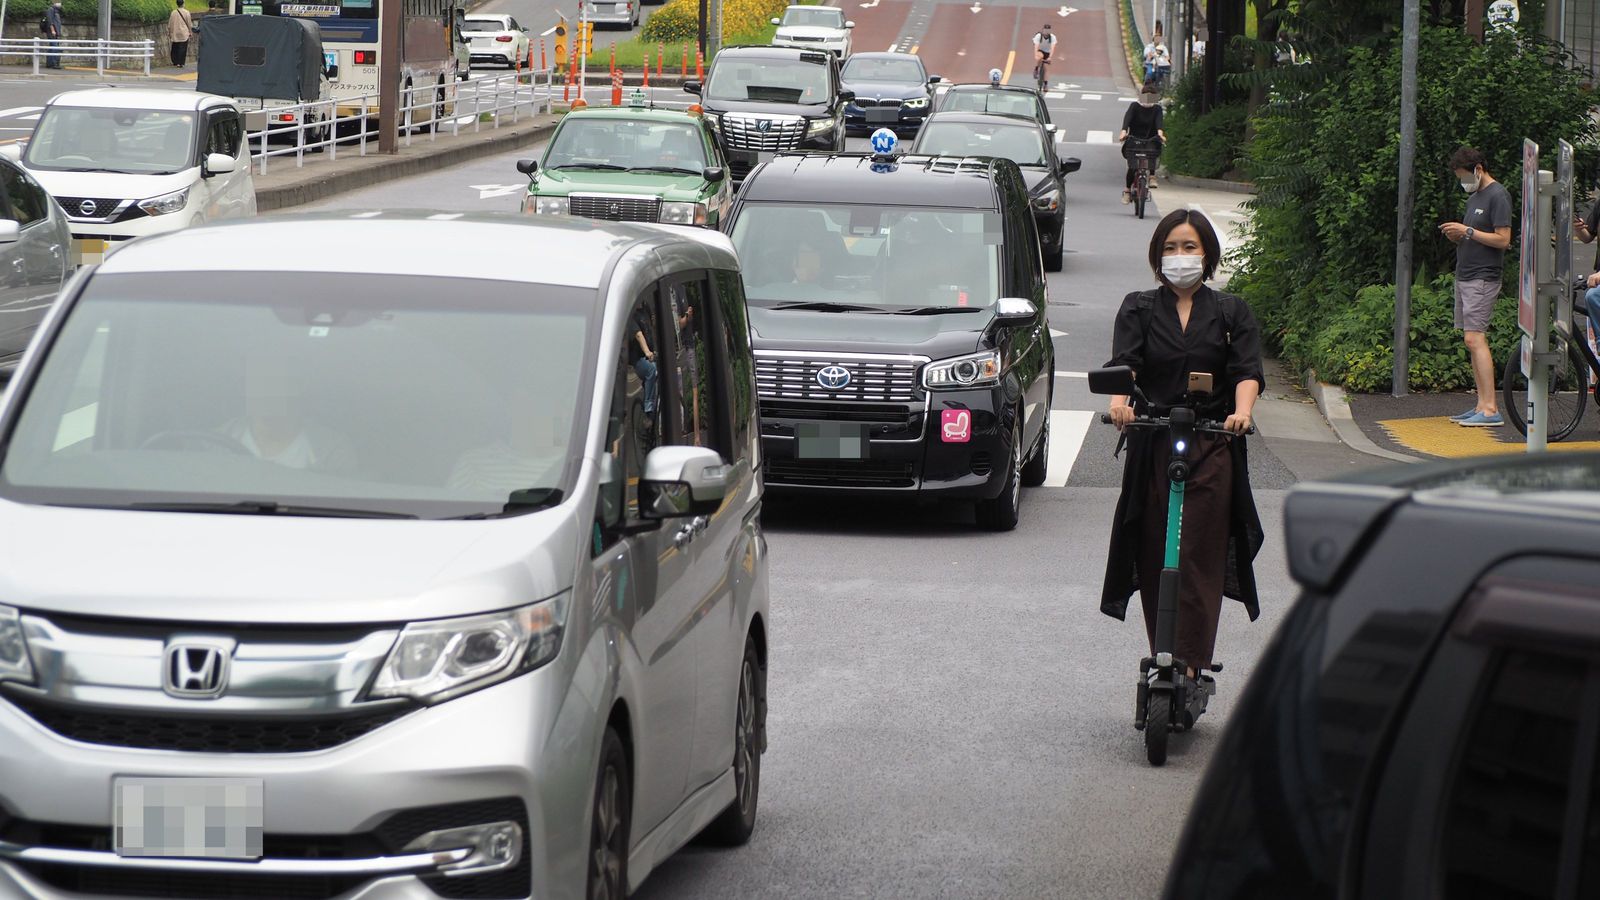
(814, 28)
(127, 163)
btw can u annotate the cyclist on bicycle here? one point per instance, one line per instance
(1043, 43)
(1183, 326)
(1142, 122)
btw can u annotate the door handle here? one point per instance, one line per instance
(690, 530)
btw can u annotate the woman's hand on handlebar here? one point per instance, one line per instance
(1121, 415)
(1238, 423)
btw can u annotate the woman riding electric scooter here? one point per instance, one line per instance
(1196, 351)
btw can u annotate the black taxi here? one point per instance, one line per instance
(897, 310)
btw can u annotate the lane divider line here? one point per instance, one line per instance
(1011, 59)
(1068, 428)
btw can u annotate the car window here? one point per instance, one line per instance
(1020, 143)
(692, 382)
(224, 134)
(482, 25)
(27, 201)
(735, 329)
(633, 425)
(628, 143)
(1012, 103)
(898, 71)
(135, 141)
(776, 80)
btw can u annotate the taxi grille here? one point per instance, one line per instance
(863, 473)
(879, 379)
(744, 131)
(615, 209)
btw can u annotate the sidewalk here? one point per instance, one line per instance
(159, 71)
(1419, 425)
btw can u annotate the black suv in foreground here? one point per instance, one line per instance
(765, 100)
(1426, 721)
(897, 311)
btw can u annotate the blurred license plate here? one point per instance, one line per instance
(830, 440)
(881, 116)
(211, 818)
(88, 251)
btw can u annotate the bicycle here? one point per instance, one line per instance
(1145, 152)
(1572, 380)
(1041, 74)
(1167, 699)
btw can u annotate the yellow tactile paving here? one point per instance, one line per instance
(1438, 436)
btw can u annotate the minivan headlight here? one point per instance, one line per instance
(437, 660)
(683, 213)
(14, 662)
(819, 126)
(550, 206)
(974, 370)
(166, 203)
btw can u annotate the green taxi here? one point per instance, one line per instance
(630, 163)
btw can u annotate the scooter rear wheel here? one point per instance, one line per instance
(1157, 723)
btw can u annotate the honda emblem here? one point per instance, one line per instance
(196, 668)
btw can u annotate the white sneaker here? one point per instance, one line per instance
(1127, 197)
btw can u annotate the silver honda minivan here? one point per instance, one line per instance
(333, 571)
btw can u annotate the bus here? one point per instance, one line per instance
(433, 49)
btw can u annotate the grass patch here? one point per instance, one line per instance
(631, 49)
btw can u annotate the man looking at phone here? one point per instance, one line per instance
(1481, 239)
(1584, 229)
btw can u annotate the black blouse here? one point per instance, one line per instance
(1163, 357)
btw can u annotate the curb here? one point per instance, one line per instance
(1214, 184)
(1335, 409)
(366, 171)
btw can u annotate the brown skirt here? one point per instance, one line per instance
(1202, 549)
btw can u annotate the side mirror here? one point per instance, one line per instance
(849, 24)
(332, 73)
(775, 21)
(935, 79)
(1117, 380)
(1015, 312)
(528, 166)
(1071, 164)
(10, 231)
(713, 174)
(220, 164)
(682, 481)
(691, 87)
(847, 96)
(12, 152)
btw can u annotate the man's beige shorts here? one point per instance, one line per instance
(1475, 304)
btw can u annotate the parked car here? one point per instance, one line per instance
(128, 162)
(892, 90)
(814, 28)
(405, 568)
(496, 39)
(898, 310)
(1024, 142)
(35, 258)
(630, 163)
(763, 100)
(623, 14)
(1422, 722)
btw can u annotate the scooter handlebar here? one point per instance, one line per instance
(1163, 422)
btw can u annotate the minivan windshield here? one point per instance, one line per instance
(772, 80)
(366, 394)
(895, 258)
(102, 139)
(1020, 143)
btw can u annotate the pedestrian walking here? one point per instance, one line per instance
(1164, 334)
(180, 27)
(53, 31)
(1481, 239)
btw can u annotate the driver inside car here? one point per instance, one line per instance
(275, 427)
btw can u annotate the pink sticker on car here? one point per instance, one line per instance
(955, 425)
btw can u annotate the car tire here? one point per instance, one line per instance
(1034, 470)
(736, 823)
(1003, 512)
(609, 819)
(1052, 256)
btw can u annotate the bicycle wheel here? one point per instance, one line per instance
(1566, 398)
(1141, 193)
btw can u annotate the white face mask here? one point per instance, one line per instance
(1471, 187)
(1183, 272)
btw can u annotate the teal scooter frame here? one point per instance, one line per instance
(1168, 699)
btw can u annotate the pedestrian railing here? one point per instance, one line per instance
(44, 51)
(352, 122)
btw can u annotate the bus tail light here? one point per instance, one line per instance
(365, 57)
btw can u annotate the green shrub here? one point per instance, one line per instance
(143, 12)
(1206, 146)
(742, 20)
(1356, 347)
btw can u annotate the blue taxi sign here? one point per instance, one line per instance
(884, 142)
(994, 76)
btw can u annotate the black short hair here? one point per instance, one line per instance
(1202, 227)
(1467, 158)
(1047, 26)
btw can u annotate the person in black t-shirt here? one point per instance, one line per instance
(1142, 123)
(1481, 239)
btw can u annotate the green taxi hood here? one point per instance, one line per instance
(669, 187)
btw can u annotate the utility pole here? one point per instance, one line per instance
(1473, 14)
(1555, 20)
(389, 23)
(1408, 154)
(105, 20)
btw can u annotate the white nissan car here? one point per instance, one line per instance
(127, 163)
(814, 28)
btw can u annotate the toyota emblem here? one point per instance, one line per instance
(763, 125)
(87, 207)
(833, 378)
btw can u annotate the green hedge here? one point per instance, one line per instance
(22, 16)
(1205, 146)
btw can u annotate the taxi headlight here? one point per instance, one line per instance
(550, 206)
(435, 661)
(916, 103)
(166, 203)
(683, 213)
(973, 370)
(14, 662)
(1049, 200)
(818, 126)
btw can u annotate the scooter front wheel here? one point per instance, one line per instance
(1157, 724)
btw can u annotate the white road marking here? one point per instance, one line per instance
(1065, 11)
(1098, 137)
(1055, 95)
(445, 217)
(16, 110)
(368, 215)
(1091, 97)
(1060, 374)
(1127, 99)
(1056, 333)
(485, 191)
(1068, 427)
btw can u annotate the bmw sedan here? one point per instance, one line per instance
(891, 91)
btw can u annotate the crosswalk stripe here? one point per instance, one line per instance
(14, 111)
(1127, 100)
(1098, 137)
(1091, 96)
(1061, 374)
(1055, 95)
(1067, 430)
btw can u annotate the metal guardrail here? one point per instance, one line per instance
(317, 125)
(101, 51)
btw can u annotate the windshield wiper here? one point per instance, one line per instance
(938, 310)
(827, 306)
(523, 501)
(269, 508)
(118, 171)
(607, 167)
(672, 169)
